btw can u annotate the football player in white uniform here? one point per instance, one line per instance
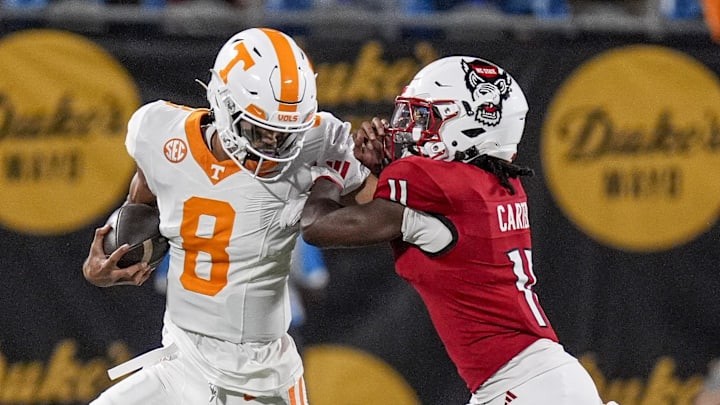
(230, 183)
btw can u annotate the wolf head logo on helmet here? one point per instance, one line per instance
(489, 86)
(458, 108)
(263, 96)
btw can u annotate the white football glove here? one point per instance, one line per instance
(337, 162)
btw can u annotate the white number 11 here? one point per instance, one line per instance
(526, 280)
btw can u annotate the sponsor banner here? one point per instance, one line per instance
(64, 105)
(623, 137)
(627, 143)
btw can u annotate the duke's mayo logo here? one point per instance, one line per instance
(64, 107)
(631, 148)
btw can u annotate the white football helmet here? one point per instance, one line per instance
(458, 108)
(262, 84)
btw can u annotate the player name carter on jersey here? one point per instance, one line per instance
(513, 216)
(490, 266)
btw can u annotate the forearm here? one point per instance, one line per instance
(323, 201)
(139, 192)
(362, 195)
(325, 225)
(326, 222)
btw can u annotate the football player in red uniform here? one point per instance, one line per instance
(453, 207)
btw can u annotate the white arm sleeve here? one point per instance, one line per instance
(425, 231)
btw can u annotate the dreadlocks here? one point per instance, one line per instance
(502, 169)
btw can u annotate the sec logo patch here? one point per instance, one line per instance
(175, 150)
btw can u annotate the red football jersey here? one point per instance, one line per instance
(479, 293)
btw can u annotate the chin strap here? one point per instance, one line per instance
(201, 83)
(209, 131)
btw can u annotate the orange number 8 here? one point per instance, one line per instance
(215, 245)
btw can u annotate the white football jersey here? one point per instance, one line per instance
(231, 235)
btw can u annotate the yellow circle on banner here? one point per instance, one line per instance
(631, 148)
(341, 375)
(64, 106)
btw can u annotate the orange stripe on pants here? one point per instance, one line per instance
(301, 391)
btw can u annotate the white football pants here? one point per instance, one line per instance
(569, 384)
(177, 382)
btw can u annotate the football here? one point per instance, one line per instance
(138, 225)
